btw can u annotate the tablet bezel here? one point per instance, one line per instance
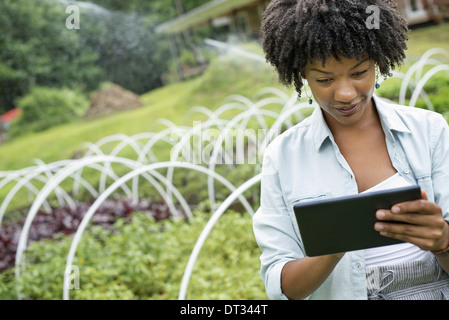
(343, 224)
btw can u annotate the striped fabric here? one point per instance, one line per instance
(414, 280)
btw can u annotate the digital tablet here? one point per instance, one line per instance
(347, 223)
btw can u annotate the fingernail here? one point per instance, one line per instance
(395, 209)
(378, 226)
(380, 214)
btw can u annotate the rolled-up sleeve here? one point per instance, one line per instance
(273, 229)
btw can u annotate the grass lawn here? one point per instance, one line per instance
(421, 40)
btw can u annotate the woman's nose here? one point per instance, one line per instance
(345, 93)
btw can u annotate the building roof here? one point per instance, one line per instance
(10, 115)
(200, 15)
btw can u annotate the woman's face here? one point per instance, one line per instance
(343, 89)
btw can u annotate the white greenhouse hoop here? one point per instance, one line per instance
(207, 229)
(423, 81)
(116, 185)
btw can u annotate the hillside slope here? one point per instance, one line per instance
(228, 74)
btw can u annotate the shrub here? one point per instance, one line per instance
(390, 89)
(66, 220)
(187, 58)
(437, 88)
(440, 101)
(45, 107)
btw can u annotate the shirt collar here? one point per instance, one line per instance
(389, 118)
(320, 130)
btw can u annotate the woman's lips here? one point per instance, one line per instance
(348, 110)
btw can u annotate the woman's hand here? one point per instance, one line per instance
(425, 226)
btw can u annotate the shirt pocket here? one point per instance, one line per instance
(303, 199)
(311, 197)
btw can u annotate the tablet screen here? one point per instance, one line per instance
(347, 223)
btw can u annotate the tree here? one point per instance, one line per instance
(36, 48)
(117, 45)
(159, 10)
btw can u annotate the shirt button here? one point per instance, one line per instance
(406, 170)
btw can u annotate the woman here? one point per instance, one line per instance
(354, 142)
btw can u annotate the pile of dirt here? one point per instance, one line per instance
(110, 99)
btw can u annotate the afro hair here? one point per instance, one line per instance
(294, 32)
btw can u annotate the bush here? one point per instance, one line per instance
(146, 259)
(390, 89)
(38, 50)
(437, 88)
(46, 107)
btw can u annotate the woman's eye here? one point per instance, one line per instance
(360, 73)
(323, 80)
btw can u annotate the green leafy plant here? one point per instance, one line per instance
(145, 259)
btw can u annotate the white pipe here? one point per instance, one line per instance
(112, 188)
(207, 229)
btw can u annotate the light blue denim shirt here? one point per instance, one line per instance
(304, 163)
